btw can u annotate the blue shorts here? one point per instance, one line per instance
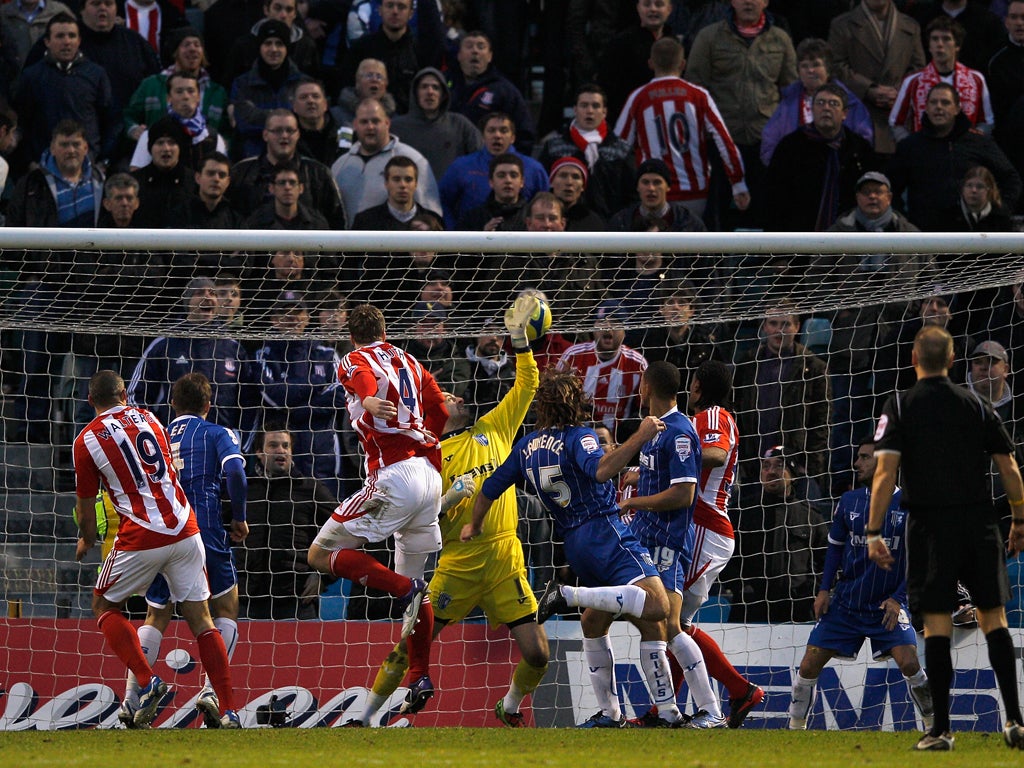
(844, 632)
(604, 553)
(220, 570)
(671, 565)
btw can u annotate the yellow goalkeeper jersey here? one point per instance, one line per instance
(479, 451)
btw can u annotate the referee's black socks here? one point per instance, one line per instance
(1000, 656)
(939, 664)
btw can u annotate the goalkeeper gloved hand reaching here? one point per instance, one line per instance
(462, 488)
(517, 317)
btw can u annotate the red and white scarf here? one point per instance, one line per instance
(589, 142)
(963, 80)
(145, 20)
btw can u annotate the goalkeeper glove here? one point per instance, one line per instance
(462, 488)
(516, 319)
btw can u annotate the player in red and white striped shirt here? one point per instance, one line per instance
(397, 410)
(610, 370)
(126, 450)
(714, 539)
(945, 38)
(672, 120)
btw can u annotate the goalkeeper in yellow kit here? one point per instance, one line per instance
(490, 570)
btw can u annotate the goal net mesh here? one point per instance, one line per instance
(264, 318)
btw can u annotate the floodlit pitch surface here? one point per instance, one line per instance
(476, 747)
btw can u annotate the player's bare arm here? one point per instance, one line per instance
(616, 460)
(712, 457)
(821, 603)
(1009, 473)
(85, 509)
(882, 488)
(480, 509)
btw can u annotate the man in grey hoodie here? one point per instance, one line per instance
(438, 133)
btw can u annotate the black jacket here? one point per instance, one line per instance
(284, 516)
(794, 184)
(929, 168)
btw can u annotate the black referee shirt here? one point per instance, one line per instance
(945, 435)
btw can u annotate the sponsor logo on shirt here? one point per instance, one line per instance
(684, 447)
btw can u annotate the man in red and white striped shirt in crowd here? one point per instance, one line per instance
(714, 538)
(126, 450)
(673, 120)
(610, 370)
(945, 38)
(397, 410)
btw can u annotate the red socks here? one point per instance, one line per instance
(123, 640)
(357, 566)
(719, 667)
(215, 661)
(418, 643)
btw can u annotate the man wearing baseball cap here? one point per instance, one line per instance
(874, 211)
(988, 374)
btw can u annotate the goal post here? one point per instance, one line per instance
(72, 301)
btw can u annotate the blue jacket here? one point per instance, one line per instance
(232, 375)
(786, 118)
(49, 92)
(466, 183)
(299, 379)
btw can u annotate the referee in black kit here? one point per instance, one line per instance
(942, 436)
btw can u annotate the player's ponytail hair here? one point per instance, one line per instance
(560, 400)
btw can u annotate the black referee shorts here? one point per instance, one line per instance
(951, 546)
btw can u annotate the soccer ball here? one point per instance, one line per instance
(540, 321)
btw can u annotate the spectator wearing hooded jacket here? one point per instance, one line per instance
(301, 47)
(431, 127)
(403, 50)
(263, 88)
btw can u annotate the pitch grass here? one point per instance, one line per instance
(491, 747)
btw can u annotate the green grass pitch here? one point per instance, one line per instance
(473, 748)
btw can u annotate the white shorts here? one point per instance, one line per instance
(183, 564)
(403, 499)
(711, 553)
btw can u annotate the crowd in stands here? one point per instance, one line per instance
(693, 115)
